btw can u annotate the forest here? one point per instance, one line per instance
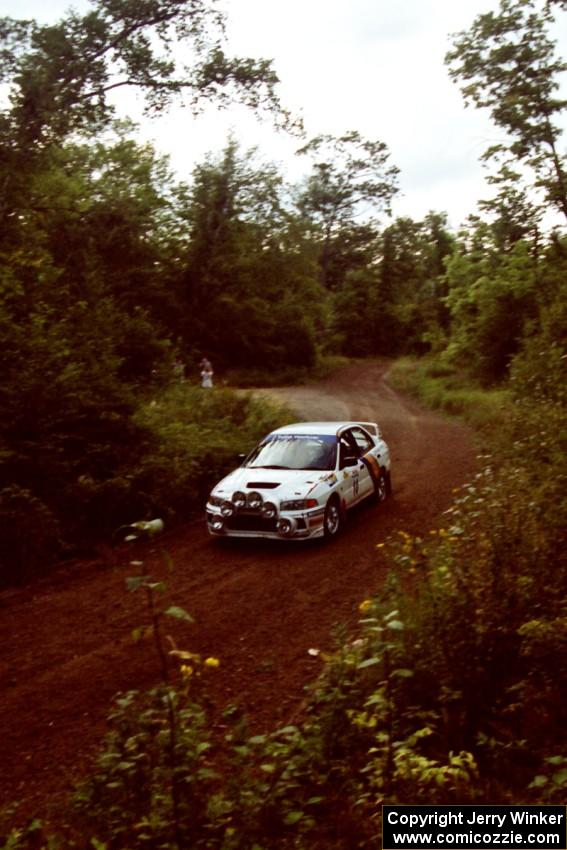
(112, 268)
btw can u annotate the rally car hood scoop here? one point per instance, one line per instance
(294, 481)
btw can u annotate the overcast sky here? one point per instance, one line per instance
(369, 65)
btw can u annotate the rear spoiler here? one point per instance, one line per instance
(372, 428)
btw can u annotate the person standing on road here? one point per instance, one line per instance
(206, 373)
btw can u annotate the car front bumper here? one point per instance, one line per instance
(305, 525)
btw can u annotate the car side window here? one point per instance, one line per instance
(362, 440)
(348, 447)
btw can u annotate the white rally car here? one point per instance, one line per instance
(300, 480)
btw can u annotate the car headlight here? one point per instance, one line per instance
(215, 500)
(254, 500)
(239, 500)
(217, 524)
(227, 509)
(269, 510)
(299, 504)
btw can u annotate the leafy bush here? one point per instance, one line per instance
(153, 780)
(196, 437)
(500, 568)
(83, 477)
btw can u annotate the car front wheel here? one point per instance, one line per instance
(332, 520)
(381, 487)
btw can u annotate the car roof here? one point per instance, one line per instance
(320, 428)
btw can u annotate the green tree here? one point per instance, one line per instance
(350, 177)
(514, 215)
(250, 285)
(412, 280)
(506, 63)
(491, 300)
(130, 223)
(60, 77)
(360, 322)
(354, 249)
(62, 73)
(539, 368)
(395, 302)
(91, 246)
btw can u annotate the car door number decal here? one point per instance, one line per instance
(355, 483)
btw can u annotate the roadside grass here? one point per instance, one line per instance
(451, 391)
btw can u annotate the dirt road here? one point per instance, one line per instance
(259, 606)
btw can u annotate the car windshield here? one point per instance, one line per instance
(295, 451)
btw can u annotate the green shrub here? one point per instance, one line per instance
(196, 437)
(101, 507)
(101, 470)
(377, 729)
(153, 780)
(486, 617)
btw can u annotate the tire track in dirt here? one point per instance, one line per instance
(258, 605)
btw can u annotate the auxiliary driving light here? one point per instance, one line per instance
(217, 524)
(227, 509)
(239, 500)
(254, 500)
(269, 510)
(286, 527)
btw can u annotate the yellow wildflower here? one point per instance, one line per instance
(212, 662)
(365, 606)
(186, 671)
